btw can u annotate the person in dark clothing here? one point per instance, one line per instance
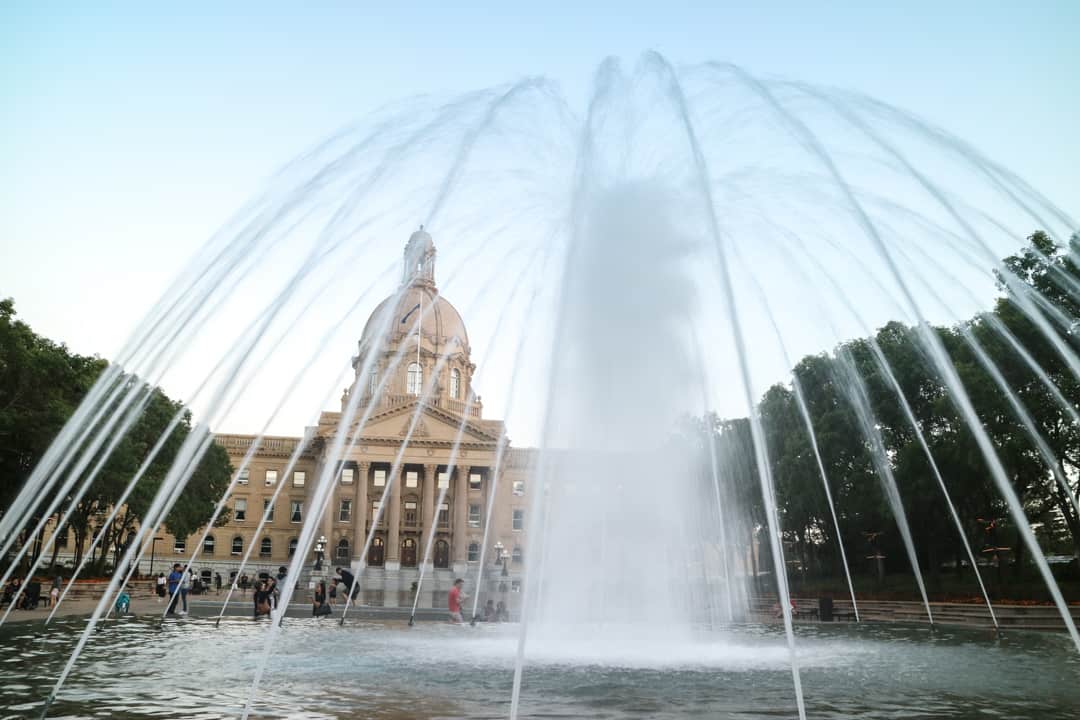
(319, 606)
(349, 581)
(217, 582)
(272, 588)
(175, 578)
(261, 598)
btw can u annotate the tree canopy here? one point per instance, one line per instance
(996, 354)
(41, 385)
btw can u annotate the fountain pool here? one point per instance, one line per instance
(387, 670)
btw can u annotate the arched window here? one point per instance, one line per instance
(442, 554)
(292, 546)
(375, 553)
(516, 555)
(414, 379)
(474, 552)
(455, 384)
(265, 547)
(408, 552)
(343, 550)
(208, 545)
(237, 545)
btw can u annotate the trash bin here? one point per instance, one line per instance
(825, 609)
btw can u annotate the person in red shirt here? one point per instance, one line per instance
(454, 601)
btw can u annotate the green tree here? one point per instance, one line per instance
(41, 384)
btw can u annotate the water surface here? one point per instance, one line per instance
(190, 669)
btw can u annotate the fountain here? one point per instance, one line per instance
(665, 256)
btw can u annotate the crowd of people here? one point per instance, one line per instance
(181, 582)
(29, 597)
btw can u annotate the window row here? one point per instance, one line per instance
(270, 477)
(348, 477)
(441, 553)
(345, 508)
(240, 509)
(266, 546)
(414, 381)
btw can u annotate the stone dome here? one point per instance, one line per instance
(441, 321)
(440, 325)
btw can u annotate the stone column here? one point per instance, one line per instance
(360, 512)
(393, 522)
(429, 513)
(461, 519)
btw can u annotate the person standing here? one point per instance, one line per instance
(454, 600)
(217, 582)
(272, 591)
(175, 578)
(54, 593)
(185, 588)
(160, 586)
(261, 597)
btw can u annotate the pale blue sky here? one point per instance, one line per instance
(129, 134)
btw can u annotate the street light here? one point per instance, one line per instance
(320, 546)
(153, 546)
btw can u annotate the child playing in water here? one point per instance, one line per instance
(123, 603)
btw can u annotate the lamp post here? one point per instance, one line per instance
(153, 546)
(320, 547)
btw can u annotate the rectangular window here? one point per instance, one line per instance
(474, 516)
(475, 481)
(375, 511)
(444, 480)
(299, 477)
(410, 513)
(268, 513)
(444, 515)
(347, 476)
(243, 477)
(412, 479)
(345, 511)
(519, 487)
(271, 477)
(519, 520)
(297, 514)
(179, 546)
(240, 510)
(380, 478)
(515, 586)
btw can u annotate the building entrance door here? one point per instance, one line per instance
(375, 553)
(442, 554)
(408, 553)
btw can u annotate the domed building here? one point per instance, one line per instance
(412, 402)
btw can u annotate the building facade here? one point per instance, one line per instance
(420, 461)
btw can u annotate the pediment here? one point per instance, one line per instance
(432, 426)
